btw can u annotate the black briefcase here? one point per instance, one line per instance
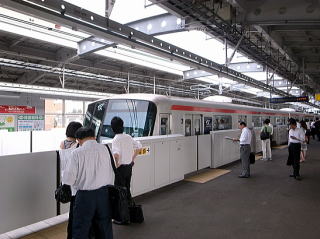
(252, 158)
(119, 204)
(136, 214)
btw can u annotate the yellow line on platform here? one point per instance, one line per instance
(207, 175)
(56, 232)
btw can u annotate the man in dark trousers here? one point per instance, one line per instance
(317, 128)
(296, 137)
(245, 149)
(89, 171)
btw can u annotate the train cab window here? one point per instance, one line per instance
(164, 124)
(94, 115)
(138, 117)
(221, 122)
(256, 121)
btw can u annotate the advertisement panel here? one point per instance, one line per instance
(7, 122)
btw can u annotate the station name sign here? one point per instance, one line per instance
(289, 99)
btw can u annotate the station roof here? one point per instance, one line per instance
(109, 69)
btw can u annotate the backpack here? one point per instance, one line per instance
(264, 134)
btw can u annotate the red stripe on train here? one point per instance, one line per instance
(206, 109)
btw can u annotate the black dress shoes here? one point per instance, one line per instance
(297, 178)
(243, 176)
(291, 175)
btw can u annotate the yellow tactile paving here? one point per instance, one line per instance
(56, 232)
(207, 175)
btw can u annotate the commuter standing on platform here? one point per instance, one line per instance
(90, 171)
(245, 149)
(70, 142)
(317, 128)
(304, 146)
(125, 149)
(271, 134)
(266, 143)
(296, 136)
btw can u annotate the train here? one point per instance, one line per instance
(150, 114)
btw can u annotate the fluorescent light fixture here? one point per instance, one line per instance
(10, 96)
(33, 89)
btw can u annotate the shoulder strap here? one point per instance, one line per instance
(112, 161)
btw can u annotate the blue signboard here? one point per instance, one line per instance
(289, 99)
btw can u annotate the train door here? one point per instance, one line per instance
(164, 124)
(188, 125)
(197, 124)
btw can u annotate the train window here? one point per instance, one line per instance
(242, 118)
(280, 120)
(164, 124)
(207, 121)
(138, 117)
(221, 122)
(256, 121)
(187, 127)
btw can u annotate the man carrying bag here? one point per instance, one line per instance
(89, 172)
(265, 134)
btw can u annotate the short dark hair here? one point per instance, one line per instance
(117, 125)
(84, 132)
(243, 123)
(267, 121)
(292, 122)
(72, 127)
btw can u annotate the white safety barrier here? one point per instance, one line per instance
(27, 189)
(224, 150)
(28, 181)
(204, 151)
(280, 134)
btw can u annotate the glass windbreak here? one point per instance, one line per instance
(242, 118)
(221, 122)
(138, 117)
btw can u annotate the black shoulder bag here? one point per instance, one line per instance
(264, 134)
(118, 198)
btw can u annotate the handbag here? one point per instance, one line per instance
(63, 193)
(118, 199)
(264, 134)
(136, 213)
(252, 158)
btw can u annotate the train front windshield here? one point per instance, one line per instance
(138, 117)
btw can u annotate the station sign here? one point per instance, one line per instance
(289, 99)
(16, 109)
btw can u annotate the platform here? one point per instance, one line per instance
(270, 204)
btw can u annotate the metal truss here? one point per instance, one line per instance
(80, 19)
(86, 75)
(260, 51)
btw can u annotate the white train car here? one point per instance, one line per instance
(149, 114)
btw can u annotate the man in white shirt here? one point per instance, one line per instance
(125, 149)
(89, 171)
(296, 137)
(245, 149)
